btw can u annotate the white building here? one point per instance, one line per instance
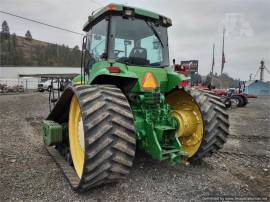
(30, 76)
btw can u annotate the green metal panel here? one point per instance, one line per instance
(146, 13)
(174, 79)
(77, 80)
(120, 7)
(52, 133)
(100, 68)
(166, 77)
(160, 75)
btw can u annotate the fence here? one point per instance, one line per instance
(26, 83)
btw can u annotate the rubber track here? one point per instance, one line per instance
(110, 140)
(216, 123)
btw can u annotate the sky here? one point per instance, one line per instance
(196, 26)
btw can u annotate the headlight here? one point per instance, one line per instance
(128, 12)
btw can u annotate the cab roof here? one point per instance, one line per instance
(120, 10)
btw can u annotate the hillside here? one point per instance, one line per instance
(22, 51)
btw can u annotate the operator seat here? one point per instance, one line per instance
(138, 52)
(138, 56)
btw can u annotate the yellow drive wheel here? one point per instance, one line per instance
(189, 117)
(102, 139)
(76, 136)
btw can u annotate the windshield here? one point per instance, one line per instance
(138, 42)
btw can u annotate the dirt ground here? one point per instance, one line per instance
(241, 169)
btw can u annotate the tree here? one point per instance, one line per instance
(5, 28)
(208, 79)
(28, 35)
(18, 58)
(76, 57)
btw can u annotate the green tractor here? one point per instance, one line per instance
(128, 96)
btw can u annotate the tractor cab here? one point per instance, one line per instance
(129, 36)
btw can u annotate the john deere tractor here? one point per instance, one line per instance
(128, 96)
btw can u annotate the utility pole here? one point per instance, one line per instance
(262, 67)
(189, 74)
(222, 59)
(213, 64)
(261, 70)
(223, 54)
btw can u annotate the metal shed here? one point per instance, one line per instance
(258, 87)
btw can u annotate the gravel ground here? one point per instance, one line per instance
(29, 173)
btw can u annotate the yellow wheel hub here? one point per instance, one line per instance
(188, 115)
(76, 136)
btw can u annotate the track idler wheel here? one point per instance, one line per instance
(189, 118)
(203, 122)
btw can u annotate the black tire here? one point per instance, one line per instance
(245, 100)
(216, 124)
(239, 99)
(110, 140)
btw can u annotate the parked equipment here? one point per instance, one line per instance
(231, 97)
(126, 96)
(4, 88)
(48, 84)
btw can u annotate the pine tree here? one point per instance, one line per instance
(5, 28)
(28, 35)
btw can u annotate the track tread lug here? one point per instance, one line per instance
(109, 135)
(216, 123)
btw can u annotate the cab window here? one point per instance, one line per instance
(97, 40)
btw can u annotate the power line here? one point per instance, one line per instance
(99, 2)
(96, 2)
(42, 23)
